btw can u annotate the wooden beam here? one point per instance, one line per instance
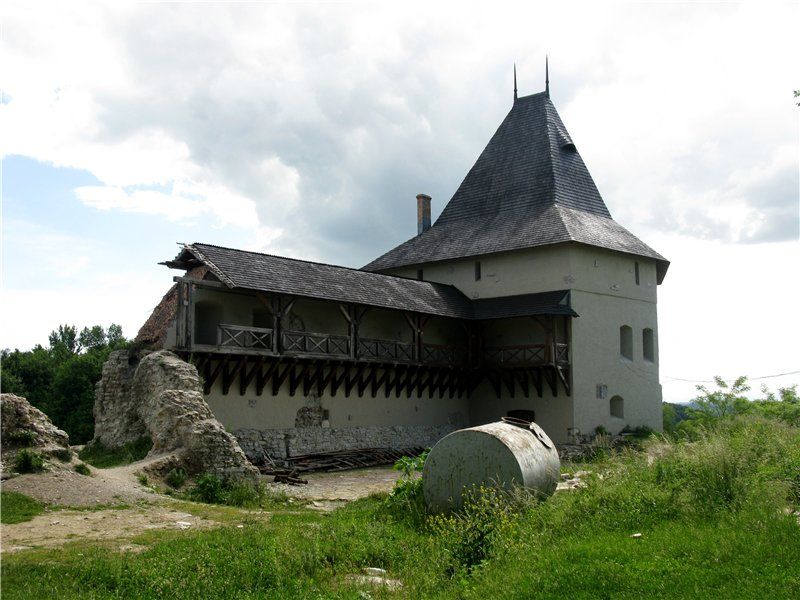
(536, 378)
(212, 375)
(564, 380)
(494, 379)
(552, 381)
(247, 376)
(339, 378)
(310, 376)
(350, 381)
(295, 378)
(263, 377)
(228, 377)
(280, 376)
(378, 382)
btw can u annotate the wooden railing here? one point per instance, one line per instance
(232, 337)
(305, 342)
(236, 336)
(526, 354)
(562, 353)
(372, 349)
(441, 354)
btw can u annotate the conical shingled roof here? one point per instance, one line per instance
(529, 187)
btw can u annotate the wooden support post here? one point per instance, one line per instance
(338, 379)
(263, 377)
(180, 317)
(536, 380)
(295, 378)
(190, 316)
(247, 376)
(280, 376)
(552, 380)
(212, 377)
(229, 375)
(378, 382)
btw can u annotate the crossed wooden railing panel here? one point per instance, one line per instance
(442, 354)
(315, 343)
(373, 349)
(527, 354)
(237, 336)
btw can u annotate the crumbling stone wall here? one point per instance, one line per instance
(282, 443)
(161, 397)
(17, 417)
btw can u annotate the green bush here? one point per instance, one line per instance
(471, 535)
(28, 461)
(208, 488)
(176, 477)
(82, 469)
(63, 454)
(406, 497)
(22, 438)
(100, 456)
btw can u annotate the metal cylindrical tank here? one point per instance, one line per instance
(503, 454)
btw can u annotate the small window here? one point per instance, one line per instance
(636, 272)
(626, 342)
(648, 345)
(602, 391)
(617, 407)
(419, 274)
(477, 270)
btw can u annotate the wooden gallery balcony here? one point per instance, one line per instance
(260, 337)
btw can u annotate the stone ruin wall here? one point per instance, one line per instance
(160, 396)
(152, 397)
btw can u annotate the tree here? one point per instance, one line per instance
(64, 341)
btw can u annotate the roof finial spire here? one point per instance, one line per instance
(515, 82)
(546, 76)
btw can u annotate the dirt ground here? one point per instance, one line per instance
(81, 502)
(341, 485)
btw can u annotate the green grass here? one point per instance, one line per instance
(17, 508)
(101, 457)
(710, 511)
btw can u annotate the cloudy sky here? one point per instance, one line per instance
(307, 130)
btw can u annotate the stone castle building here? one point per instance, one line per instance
(524, 298)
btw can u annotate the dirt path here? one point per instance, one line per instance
(62, 486)
(55, 528)
(329, 490)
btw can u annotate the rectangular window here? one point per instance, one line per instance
(477, 270)
(419, 274)
(636, 271)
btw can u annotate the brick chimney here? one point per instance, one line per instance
(423, 213)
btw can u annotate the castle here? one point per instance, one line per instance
(525, 298)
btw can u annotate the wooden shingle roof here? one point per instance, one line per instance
(529, 187)
(276, 274)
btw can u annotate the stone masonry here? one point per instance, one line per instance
(23, 425)
(259, 444)
(161, 397)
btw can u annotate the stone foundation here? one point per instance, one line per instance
(258, 444)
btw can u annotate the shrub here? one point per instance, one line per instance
(176, 477)
(142, 479)
(82, 469)
(473, 534)
(100, 456)
(406, 497)
(208, 489)
(28, 461)
(22, 438)
(63, 454)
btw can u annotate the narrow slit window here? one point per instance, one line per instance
(626, 342)
(636, 272)
(648, 345)
(477, 270)
(419, 274)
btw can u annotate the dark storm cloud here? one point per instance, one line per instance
(366, 127)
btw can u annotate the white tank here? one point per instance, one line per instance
(501, 455)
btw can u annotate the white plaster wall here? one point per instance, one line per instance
(546, 268)
(275, 412)
(596, 361)
(553, 414)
